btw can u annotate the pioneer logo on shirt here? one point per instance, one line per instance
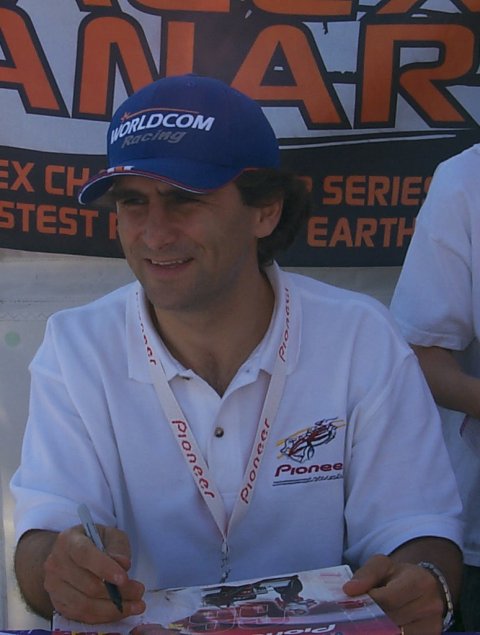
(300, 448)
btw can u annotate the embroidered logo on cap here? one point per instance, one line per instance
(152, 119)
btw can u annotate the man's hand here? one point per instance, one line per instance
(66, 572)
(75, 572)
(409, 594)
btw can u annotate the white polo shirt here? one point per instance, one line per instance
(354, 463)
(437, 303)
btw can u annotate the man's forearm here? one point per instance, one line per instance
(451, 387)
(31, 553)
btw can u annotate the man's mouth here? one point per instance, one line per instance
(169, 263)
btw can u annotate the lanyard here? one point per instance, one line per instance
(188, 445)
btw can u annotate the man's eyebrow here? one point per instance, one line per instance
(117, 192)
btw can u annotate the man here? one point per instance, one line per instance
(436, 305)
(221, 418)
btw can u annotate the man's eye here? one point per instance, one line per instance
(131, 201)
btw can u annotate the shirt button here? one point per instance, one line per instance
(219, 432)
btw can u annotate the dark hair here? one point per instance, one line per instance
(265, 185)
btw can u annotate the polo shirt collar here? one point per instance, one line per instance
(262, 358)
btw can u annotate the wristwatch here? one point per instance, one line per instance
(435, 571)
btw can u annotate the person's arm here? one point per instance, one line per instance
(451, 387)
(30, 555)
(66, 572)
(412, 595)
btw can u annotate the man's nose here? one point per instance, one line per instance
(159, 229)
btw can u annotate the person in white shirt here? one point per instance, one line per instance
(221, 418)
(437, 305)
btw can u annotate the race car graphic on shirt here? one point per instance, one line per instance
(300, 446)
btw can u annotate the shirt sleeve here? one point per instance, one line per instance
(399, 481)
(432, 301)
(59, 465)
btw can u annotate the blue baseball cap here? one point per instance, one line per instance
(196, 133)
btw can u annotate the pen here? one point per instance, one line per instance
(92, 532)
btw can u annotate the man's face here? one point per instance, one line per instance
(189, 251)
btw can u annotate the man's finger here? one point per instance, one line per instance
(374, 573)
(116, 542)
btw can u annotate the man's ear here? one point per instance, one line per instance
(268, 218)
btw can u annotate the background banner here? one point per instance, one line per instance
(366, 99)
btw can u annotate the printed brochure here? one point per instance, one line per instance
(304, 603)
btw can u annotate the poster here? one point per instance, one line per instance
(366, 98)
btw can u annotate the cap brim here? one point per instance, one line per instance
(184, 174)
